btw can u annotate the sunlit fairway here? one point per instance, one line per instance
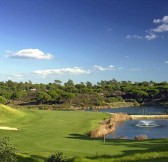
(44, 132)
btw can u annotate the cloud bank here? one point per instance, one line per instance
(58, 72)
(71, 71)
(74, 70)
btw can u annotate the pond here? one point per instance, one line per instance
(131, 128)
(154, 128)
(141, 110)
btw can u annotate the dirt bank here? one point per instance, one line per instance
(149, 116)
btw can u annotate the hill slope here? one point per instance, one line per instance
(8, 113)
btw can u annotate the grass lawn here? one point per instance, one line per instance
(44, 132)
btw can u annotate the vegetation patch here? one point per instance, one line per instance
(109, 125)
(140, 137)
(103, 94)
(7, 151)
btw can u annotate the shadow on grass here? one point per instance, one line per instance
(108, 158)
(31, 158)
(79, 136)
(136, 149)
(83, 137)
(153, 150)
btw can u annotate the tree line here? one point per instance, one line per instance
(82, 94)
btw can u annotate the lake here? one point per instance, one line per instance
(131, 128)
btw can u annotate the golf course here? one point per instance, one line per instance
(39, 133)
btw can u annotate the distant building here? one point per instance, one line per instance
(33, 89)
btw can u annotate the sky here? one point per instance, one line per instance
(83, 40)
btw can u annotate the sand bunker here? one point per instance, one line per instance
(8, 128)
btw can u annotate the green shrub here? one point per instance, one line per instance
(3, 100)
(57, 157)
(7, 151)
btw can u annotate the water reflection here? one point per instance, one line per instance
(145, 110)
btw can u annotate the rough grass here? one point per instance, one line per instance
(42, 133)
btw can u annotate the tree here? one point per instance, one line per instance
(68, 97)
(153, 92)
(69, 86)
(57, 82)
(18, 95)
(89, 84)
(81, 87)
(43, 97)
(54, 95)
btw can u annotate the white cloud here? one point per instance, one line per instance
(11, 76)
(136, 69)
(17, 75)
(163, 20)
(100, 68)
(59, 72)
(150, 36)
(155, 21)
(31, 54)
(134, 37)
(162, 27)
(166, 62)
(72, 71)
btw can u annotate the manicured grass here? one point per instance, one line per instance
(44, 132)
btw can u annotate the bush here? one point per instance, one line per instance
(57, 157)
(7, 151)
(140, 137)
(114, 99)
(3, 100)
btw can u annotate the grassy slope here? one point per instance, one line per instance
(44, 132)
(9, 114)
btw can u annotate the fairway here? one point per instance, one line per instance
(41, 133)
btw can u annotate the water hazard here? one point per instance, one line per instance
(131, 128)
(154, 128)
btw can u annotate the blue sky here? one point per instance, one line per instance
(83, 40)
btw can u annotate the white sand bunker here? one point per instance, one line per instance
(8, 128)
